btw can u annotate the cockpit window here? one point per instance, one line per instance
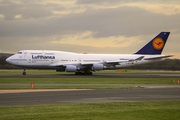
(19, 53)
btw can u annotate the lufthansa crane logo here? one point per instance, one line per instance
(158, 43)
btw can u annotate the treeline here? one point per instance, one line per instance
(168, 64)
(5, 65)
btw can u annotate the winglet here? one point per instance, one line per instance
(156, 45)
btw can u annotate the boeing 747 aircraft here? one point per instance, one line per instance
(84, 64)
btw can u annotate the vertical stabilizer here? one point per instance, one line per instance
(156, 45)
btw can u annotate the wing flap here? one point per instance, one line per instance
(115, 62)
(121, 61)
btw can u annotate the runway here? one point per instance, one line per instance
(90, 96)
(150, 92)
(95, 75)
(125, 85)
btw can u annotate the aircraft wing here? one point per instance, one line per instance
(87, 64)
(106, 62)
(155, 58)
(56, 65)
(121, 61)
(63, 65)
(116, 62)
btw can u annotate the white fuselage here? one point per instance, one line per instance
(42, 59)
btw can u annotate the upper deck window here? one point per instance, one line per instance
(19, 53)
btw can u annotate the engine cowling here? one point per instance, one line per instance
(97, 67)
(71, 68)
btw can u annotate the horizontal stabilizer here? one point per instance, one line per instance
(154, 58)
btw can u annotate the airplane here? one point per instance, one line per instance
(84, 64)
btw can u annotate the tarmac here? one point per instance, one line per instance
(96, 75)
(89, 96)
(150, 92)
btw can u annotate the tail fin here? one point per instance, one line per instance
(156, 45)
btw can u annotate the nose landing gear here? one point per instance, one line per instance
(24, 73)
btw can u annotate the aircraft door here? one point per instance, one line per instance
(52, 61)
(26, 57)
(79, 60)
(103, 60)
(29, 60)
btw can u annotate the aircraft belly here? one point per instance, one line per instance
(38, 66)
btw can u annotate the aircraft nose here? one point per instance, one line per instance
(8, 60)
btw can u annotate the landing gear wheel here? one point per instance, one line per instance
(83, 73)
(87, 73)
(90, 73)
(76, 73)
(24, 73)
(80, 73)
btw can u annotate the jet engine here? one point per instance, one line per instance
(71, 68)
(97, 67)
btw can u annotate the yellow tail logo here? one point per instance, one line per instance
(158, 43)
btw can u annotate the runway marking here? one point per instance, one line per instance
(38, 90)
(123, 85)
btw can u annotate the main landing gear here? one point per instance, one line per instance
(24, 73)
(83, 73)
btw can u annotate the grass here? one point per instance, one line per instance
(85, 81)
(29, 71)
(164, 110)
(92, 80)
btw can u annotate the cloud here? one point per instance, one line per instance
(122, 21)
(107, 1)
(36, 44)
(86, 38)
(27, 9)
(95, 2)
(98, 26)
(159, 6)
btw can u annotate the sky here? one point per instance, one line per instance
(88, 26)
